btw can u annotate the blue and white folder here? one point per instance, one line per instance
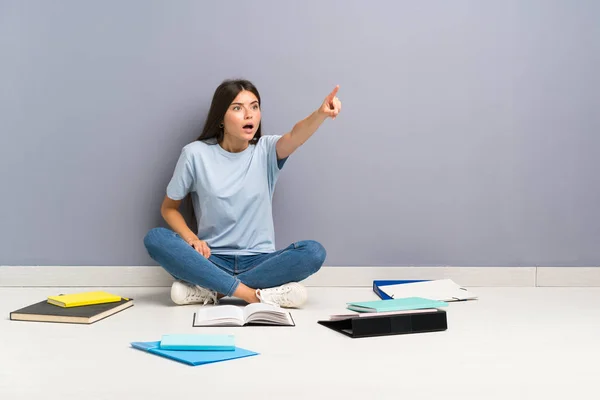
(379, 286)
(442, 290)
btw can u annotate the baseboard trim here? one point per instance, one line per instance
(85, 276)
(568, 276)
(329, 276)
(467, 276)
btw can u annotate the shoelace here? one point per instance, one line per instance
(200, 294)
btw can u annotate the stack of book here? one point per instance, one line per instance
(406, 306)
(390, 317)
(75, 308)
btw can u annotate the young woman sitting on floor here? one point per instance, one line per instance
(230, 172)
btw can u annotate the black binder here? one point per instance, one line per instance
(382, 325)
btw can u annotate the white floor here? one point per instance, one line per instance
(512, 343)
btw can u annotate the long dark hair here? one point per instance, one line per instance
(224, 95)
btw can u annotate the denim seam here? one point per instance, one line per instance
(233, 287)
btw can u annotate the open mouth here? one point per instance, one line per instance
(248, 127)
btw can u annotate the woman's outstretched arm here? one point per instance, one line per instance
(304, 129)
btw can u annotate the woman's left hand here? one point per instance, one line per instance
(332, 106)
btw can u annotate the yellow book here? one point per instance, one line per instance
(83, 299)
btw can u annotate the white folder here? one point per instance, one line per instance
(442, 289)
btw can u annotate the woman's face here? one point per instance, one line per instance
(242, 118)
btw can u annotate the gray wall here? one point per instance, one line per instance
(469, 134)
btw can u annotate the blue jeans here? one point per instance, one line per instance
(223, 273)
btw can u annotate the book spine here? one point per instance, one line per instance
(380, 292)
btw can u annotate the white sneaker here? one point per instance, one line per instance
(289, 295)
(184, 293)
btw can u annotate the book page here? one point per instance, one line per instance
(219, 315)
(257, 307)
(267, 314)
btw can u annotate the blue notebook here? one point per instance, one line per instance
(192, 357)
(197, 341)
(407, 303)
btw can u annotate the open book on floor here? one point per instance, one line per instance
(252, 314)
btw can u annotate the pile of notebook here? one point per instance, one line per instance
(75, 308)
(405, 307)
(195, 349)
